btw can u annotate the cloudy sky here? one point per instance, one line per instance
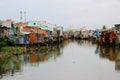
(67, 13)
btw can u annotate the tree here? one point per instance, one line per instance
(104, 27)
(6, 41)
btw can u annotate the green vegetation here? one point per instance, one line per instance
(104, 27)
(6, 41)
(11, 49)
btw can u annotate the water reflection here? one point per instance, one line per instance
(110, 53)
(10, 64)
(104, 52)
(42, 55)
(86, 42)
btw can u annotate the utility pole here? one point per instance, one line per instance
(24, 16)
(21, 17)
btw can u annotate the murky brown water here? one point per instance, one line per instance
(72, 60)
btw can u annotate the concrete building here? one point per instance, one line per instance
(33, 23)
(60, 28)
(44, 23)
(7, 27)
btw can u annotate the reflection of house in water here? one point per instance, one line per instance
(14, 63)
(117, 62)
(84, 42)
(9, 65)
(113, 54)
(66, 42)
(108, 52)
(25, 58)
(104, 52)
(33, 57)
(36, 57)
(43, 57)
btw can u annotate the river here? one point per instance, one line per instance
(71, 60)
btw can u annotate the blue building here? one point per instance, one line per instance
(47, 28)
(33, 23)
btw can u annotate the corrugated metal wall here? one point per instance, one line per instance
(32, 37)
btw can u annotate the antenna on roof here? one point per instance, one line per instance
(24, 16)
(21, 17)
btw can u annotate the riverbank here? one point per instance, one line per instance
(70, 56)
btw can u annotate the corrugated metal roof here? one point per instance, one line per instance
(34, 30)
(46, 28)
